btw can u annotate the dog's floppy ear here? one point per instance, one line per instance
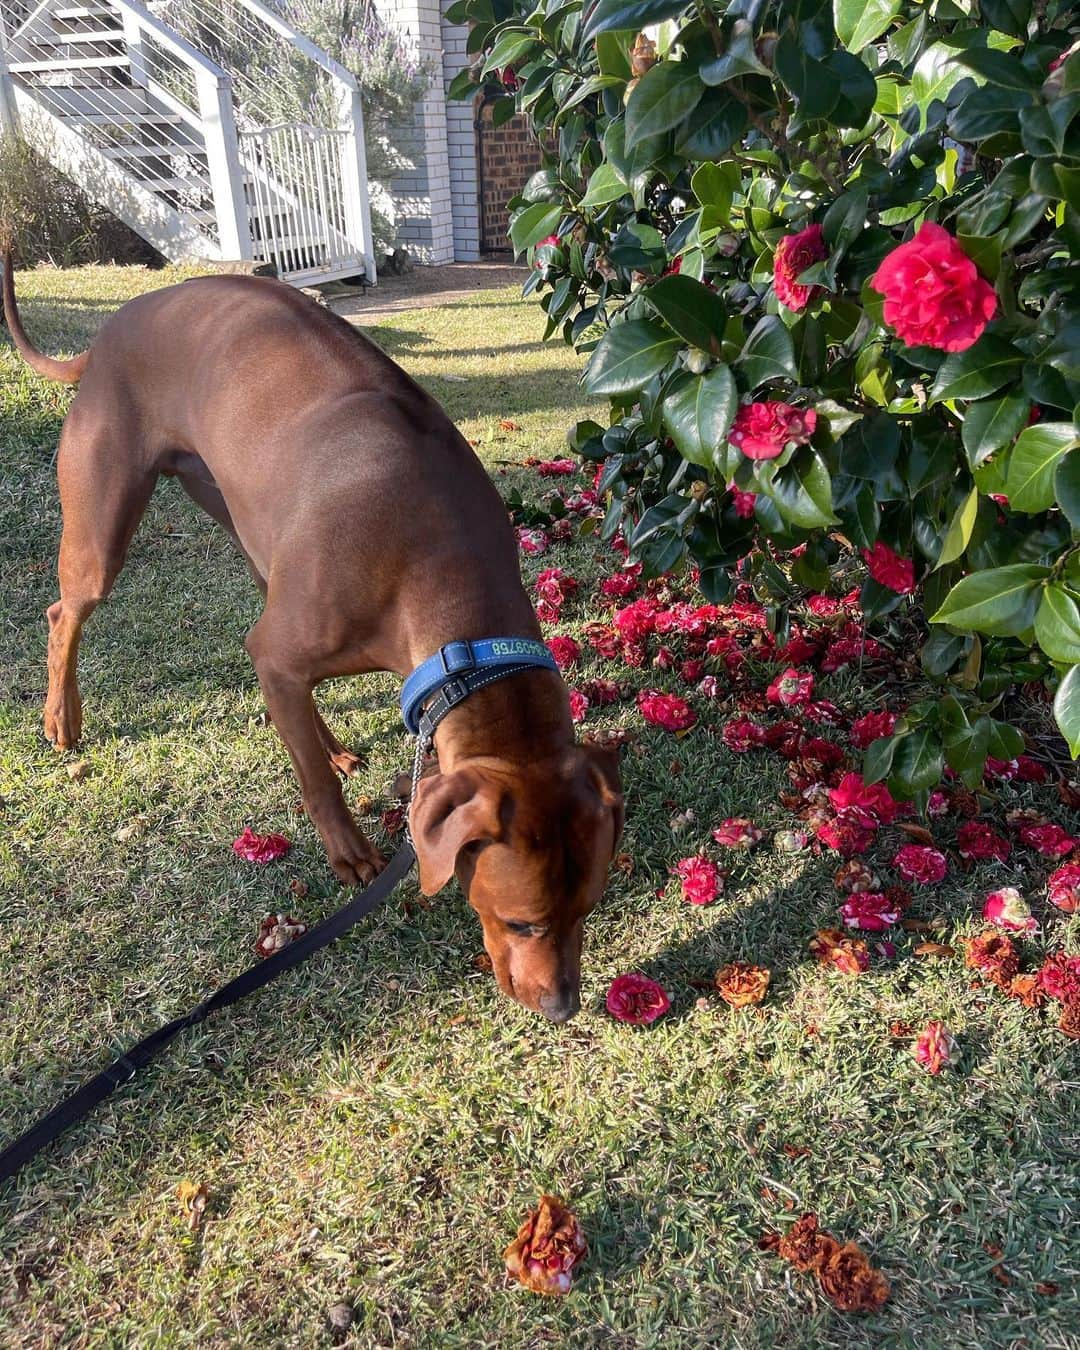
(448, 812)
(603, 768)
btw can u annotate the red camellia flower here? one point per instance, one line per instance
(532, 541)
(934, 295)
(702, 881)
(877, 799)
(564, 649)
(761, 430)
(622, 584)
(1059, 977)
(555, 468)
(666, 710)
(871, 911)
(1049, 840)
(579, 705)
(637, 620)
(872, 727)
(794, 254)
(548, 1246)
(261, 848)
(791, 689)
(919, 862)
(1008, 909)
(738, 832)
(637, 999)
(976, 841)
(741, 734)
(743, 502)
(601, 692)
(1063, 887)
(888, 568)
(848, 833)
(936, 1047)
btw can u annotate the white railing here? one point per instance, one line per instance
(181, 97)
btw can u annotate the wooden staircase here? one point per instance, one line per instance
(177, 146)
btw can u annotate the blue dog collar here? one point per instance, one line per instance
(459, 668)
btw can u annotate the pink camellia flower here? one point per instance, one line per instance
(532, 541)
(920, 863)
(869, 910)
(888, 568)
(976, 841)
(564, 649)
(934, 295)
(737, 832)
(877, 799)
(792, 688)
(261, 848)
(637, 620)
(1049, 840)
(872, 727)
(637, 999)
(555, 584)
(702, 881)
(1003, 769)
(555, 468)
(761, 430)
(622, 584)
(1059, 977)
(794, 254)
(741, 734)
(601, 692)
(666, 710)
(743, 502)
(936, 1047)
(823, 606)
(848, 833)
(1008, 909)
(1063, 887)
(579, 705)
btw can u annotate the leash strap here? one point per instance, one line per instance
(123, 1069)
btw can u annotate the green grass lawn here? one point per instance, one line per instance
(373, 1129)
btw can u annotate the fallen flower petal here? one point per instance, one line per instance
(919, 863)
(636, 999)
(936, 1047)
(832, 947)
(261, 848)
(737, 832)
(702, 881)
(548, 1247)
(742, 984)
(1008, 909)
(276, 932)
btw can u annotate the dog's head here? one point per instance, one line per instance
(531, 847)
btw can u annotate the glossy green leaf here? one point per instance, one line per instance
(532, 224)
(1057, 624)
(699, 412)
(509, 47)
(769, 354)
(991, 425)
(1029, 484)
(1067, 710)
(1000, 601)
(692, 309)
(958, 535)
(917, 764)
(1067, 488)
(665, 95)
(628, 356)
(605, 186)
(629, 15)
(860, 22)
(979, 371)
(739, 57)
(716, 124)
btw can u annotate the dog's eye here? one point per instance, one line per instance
(525, 928)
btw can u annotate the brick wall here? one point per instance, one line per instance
(508, 156)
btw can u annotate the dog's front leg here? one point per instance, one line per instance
(288, 694)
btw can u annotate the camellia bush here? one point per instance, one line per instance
(822, 258)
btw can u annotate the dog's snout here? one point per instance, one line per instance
(562, 1005)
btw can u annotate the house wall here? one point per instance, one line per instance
(436, 200)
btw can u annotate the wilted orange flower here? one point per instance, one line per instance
(741, 984)
(850, 1282)
(994, 956)
(1070, 1019)
(1028, 990)
(805, 1245)
(549, 1244)
(834, 948)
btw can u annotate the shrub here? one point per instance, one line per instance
(54, 221)
(822, 258)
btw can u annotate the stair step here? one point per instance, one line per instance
(126, 119)
(86, 12)
(134, 151)
(172, 185)
(93, 35)
(68, 63)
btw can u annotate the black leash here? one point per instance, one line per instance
(123, 1070)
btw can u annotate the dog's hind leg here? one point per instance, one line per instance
(104, 490)
(287, 680)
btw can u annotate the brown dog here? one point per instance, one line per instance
(376, 537)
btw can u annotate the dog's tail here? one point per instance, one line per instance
(66, 372)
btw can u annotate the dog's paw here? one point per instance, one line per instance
(346, 762)
(62, 723)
